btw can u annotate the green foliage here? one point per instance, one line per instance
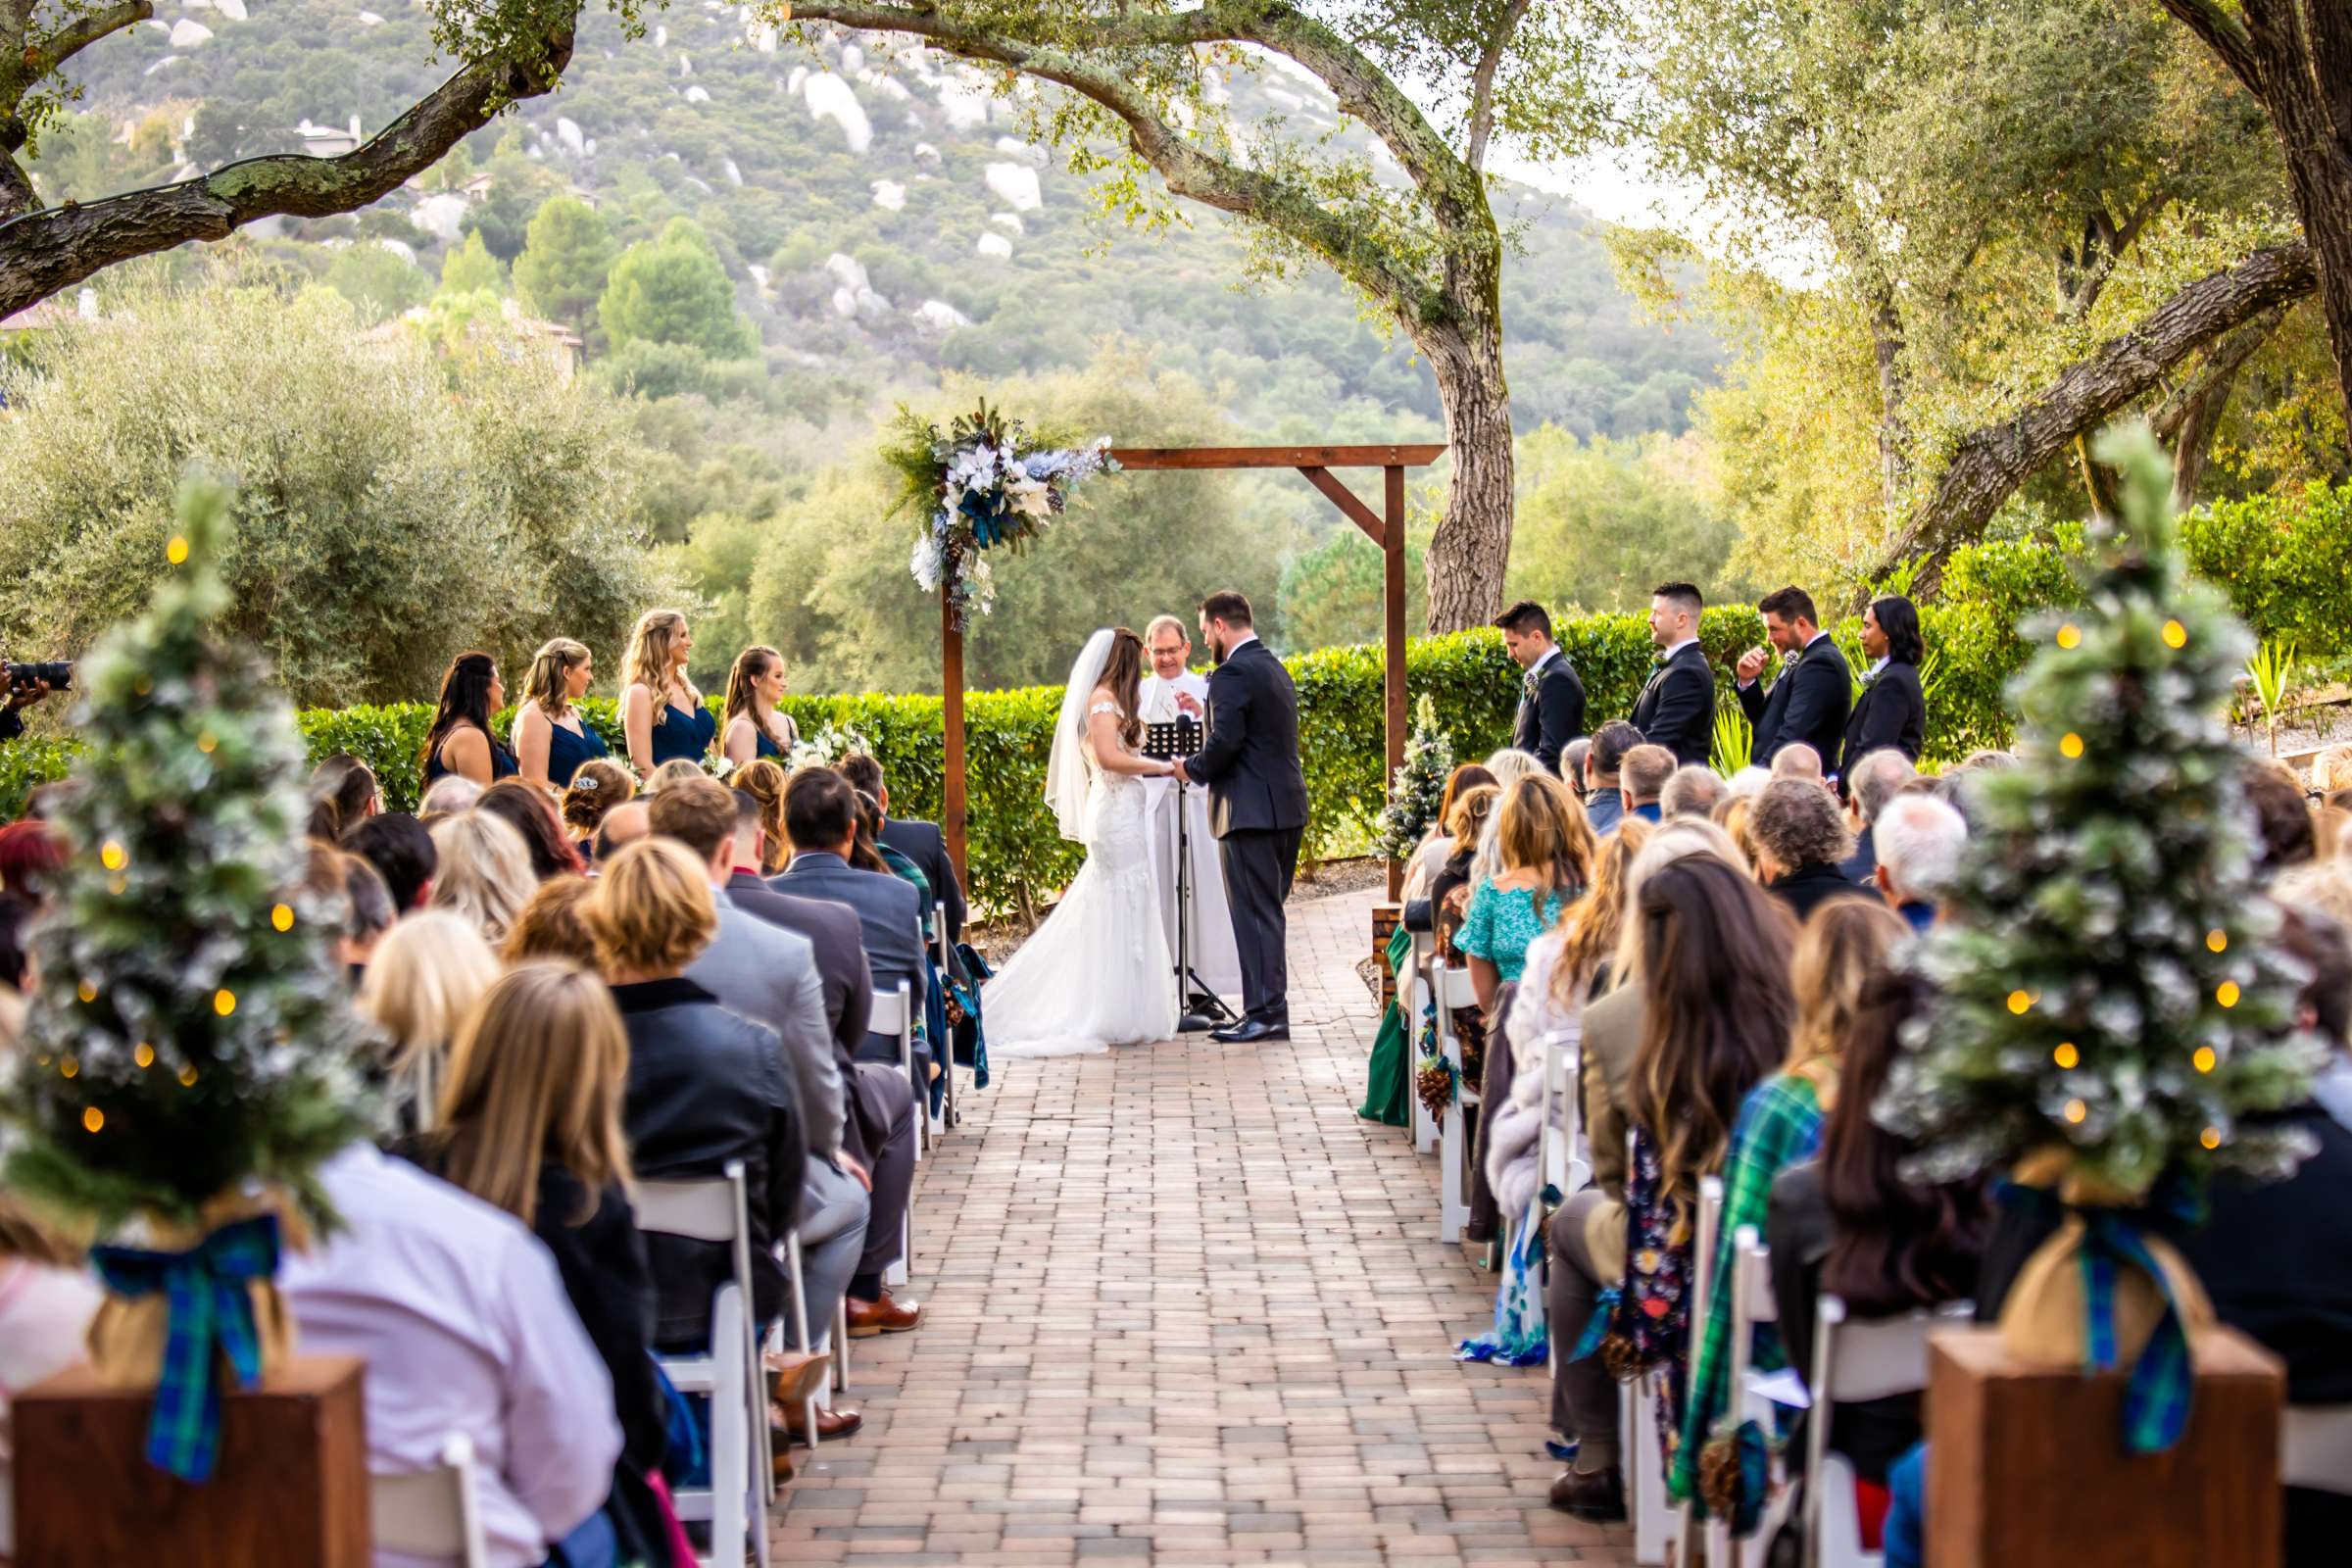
(1332, 595)
(501, 220)
(2271, 667)
(192, 1033)
(1735, 741)
(1598, 523)
(566, 257)
(2108, 1002)
(675, 290)
(384, 524)
(471, 268)
(380, 283)
(2285, 560)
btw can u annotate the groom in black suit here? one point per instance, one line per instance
(1257, 806)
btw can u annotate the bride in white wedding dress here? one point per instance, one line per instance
(1097, 973)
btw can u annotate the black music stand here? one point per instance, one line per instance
(1202, 1009)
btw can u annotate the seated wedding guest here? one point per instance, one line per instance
(1546, 848)
(751, 724)
(47, 1300)
(447, 797)
(483, 870)
(623, 826)
(459, 743)
(1717, 1010)
(552, 736)
(706, 1086)
(1850, 1223)
(1890, 711)
(347, 788)
(921, 843)
(1743, 785)
(19, 970)
(820, 815)
(1692, 789)
(1604, 799)
(596, 788)
(426, 976)
(1450, 887)
(31, 852)
(2281, 816)
(525, 807)
(550, 925)
(1510, 763)
(401, 848)
(368, 905)
(530, 1123)
(1437, 845)
(1919, 843)
(1798, 760)
(1572, 764)
(677, 770)
(870, 853)
(661, 709)
(851, 1215)
(1732, 814)
(1839, 953)
(1566, 967)
(462, 1320)
(835, 941)
(1801, 838)
(1871, 781)
(2318, 900)
(1642, 778)
(764, 781)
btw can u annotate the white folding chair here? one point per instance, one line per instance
(1752, 1304)
(1654, 1524)
(432, 1514)
(729, 1373)
(1419, 995)
(1559, 1150)
(944, 946)
(800, 1321)
(2315, 1447)
(894, 1015)
(1454, 991)
(1702, 1287)
(1870, 1359)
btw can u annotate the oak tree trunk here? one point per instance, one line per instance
(1473, 545)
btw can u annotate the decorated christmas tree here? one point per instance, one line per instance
(1419, 786)
(2109, 1003)
(190, 1049)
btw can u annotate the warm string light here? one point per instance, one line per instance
(2204, 1059)
(2069, 636)
(2216, 940)
(2065, 1056)
(2226, 994)
(282, 917)
(2211, 1138)
(176, 552)
(113, 855)
(2076, 1111)
(2020, 1001)
(92, 1119)
(144, 1056)
(2176, 635)
(2069, 746)
(224, 1001)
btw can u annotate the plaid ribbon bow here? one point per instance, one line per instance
(204, 1290)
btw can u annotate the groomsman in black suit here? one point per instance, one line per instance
(1808, 702)
(1551, 700)
(1257, 806)
(1677, 707)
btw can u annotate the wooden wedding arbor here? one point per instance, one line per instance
(1385, 529)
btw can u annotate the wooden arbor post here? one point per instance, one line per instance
(1385, 529)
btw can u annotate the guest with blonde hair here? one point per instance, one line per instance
(753, 726)
(550, 925)
(2331, 770)
(530, 1123)
(676, 770)
(662, 713)
(552, 737)
(422, 980)
(482, 871)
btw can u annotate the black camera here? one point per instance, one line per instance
(58, 672)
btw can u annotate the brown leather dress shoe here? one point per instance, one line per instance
(794, 1375)
(830, 1424)
(1590, 1493)
(884, 1315)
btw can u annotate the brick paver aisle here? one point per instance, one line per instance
(1180, 1305)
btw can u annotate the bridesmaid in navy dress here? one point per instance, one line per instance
(661, 713)
(753, 727)
(552, 737)
(460, 741)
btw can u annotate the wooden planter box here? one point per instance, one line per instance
(290, 1488)
(1385, 917)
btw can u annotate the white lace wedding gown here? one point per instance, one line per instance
(1097, 973)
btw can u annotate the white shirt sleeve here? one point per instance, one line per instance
(561, 1434)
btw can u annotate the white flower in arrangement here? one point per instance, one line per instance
(926, 560)
(828, 745)
(1029, 496)
(719, 768)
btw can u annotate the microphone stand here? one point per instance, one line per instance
(1202, 1009)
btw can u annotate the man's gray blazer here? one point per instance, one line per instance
(768, 974)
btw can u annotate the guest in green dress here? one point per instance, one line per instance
(1544, 848)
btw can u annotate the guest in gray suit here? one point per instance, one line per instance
(769, 975)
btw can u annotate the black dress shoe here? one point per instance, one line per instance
(1591, 1493)
(1250, 1031)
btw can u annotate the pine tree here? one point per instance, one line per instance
(1419, 786)
(565, 258)
(2106, 987)
(190, 1034)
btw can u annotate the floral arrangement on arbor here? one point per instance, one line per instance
(190, 1056)
(2110, 1014)
(987, 483)
(1419, 786)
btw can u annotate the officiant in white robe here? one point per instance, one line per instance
(1217, 962)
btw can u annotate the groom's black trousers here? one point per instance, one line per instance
(1258, 865)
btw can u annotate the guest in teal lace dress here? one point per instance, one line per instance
(661, 711)
(460, 741)
(552, 737)
(751, 724)
(1544, 848)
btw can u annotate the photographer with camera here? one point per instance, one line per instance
(27, 684)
